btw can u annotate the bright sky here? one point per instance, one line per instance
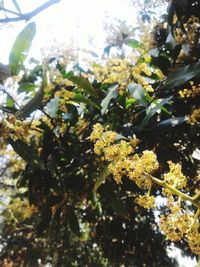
(80, 19)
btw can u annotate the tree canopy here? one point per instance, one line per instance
(100, 167)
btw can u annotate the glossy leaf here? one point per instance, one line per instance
(181, 76)
(137, 92)
(152, 109)
(112, 93)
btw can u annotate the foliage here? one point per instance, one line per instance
(142, 114)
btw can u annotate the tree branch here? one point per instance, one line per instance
(29, 15)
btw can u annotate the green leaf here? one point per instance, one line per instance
(53, 106)
(133, 43)
(101, 178)
(112, 93)
(84, 84)
(26, 153)
(79, 98)
(26, 87)
(10, 102)
(152, 109)
(73, 222)
(137, 92)
(181, 76)
(16, 5)
(21, 47)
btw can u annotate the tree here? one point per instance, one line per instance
(106, 144)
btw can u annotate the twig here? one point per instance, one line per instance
(29, 15)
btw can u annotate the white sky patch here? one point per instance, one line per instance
(77, 19)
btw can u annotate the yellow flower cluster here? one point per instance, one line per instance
(14, 127)
(123, 161)
(175, 176)
(193, 92)
(147, 202)
(190, 33)
(64, 97)
(195, 116)
(115, 71)
(121, 158)
(175, 225)
(21, 210)
(122, 71)
(193, 237)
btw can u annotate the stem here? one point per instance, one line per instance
(174, 190)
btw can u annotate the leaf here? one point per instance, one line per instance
(181, 76)
(10, 102)
(137, 92)
(26, 153)
(16, 6)
(73, 222)
(133, 43)
(114, 201)
(53, 106)
(171, 122)
(11, 110)
(79, 98)
(21, 47)
(112, 93)
(35, 102)
(84, 84)
(101, 178)
(152, 109)
(26, 87)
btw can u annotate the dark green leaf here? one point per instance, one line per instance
(171, 122)
(181, 76)
(152, 109)
(26, 152)
(84, 84)
(21, 47)
(112, 93)
(101, 178)
(73, 222)
(114, 201)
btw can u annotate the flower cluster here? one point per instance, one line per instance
(123, 160)
(195, 116)
(175, 176)
(147, 202)
(192, 92)
(11, 126)
(123, 71)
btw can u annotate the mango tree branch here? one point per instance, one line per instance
(29, 15)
